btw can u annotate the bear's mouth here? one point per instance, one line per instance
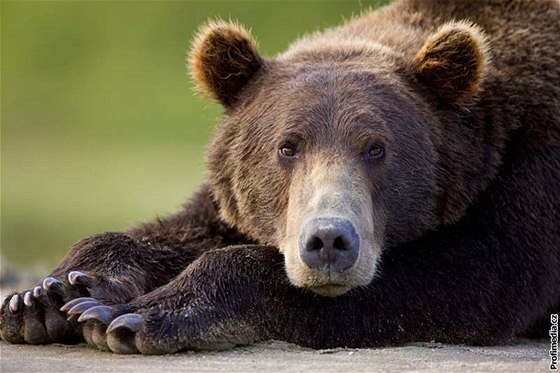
(331, 289)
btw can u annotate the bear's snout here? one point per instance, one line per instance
(329, 244)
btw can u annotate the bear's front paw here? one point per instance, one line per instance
(34, 316)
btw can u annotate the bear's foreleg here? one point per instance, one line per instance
(199, 309)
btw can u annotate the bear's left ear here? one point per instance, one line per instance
(223, 59)
(453, 61)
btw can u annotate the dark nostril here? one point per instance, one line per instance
(339, 244)
(315, 244)
(331, 242)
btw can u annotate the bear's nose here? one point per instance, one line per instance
(329, 243)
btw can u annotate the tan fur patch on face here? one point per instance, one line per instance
(453, 61)
(327, 188)
(223, 58)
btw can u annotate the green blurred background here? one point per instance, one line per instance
(100, 125)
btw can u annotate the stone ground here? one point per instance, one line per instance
(519, 356)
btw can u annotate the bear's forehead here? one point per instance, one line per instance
(315, 99)
(345, 89)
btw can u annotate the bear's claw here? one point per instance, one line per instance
(38, 291)
(74, 302)
(82, 307)
(28, 299)
(14, 303)
(51, 284)
(80, 279)
(98, 312)
(122, 333)
(130, 321)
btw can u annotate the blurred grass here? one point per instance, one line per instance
(100, 126)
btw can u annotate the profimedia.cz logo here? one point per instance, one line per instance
(553, 333)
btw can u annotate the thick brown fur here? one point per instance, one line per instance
(459, 221)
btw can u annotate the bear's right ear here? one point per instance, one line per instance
(223, 59)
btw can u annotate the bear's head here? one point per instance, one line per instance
(329, 151)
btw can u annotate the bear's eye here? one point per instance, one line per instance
(375, 152)
(287, 151)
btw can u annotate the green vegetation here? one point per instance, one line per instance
(100, 126)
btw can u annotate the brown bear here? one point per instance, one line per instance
(394, 179)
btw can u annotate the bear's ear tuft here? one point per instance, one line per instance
(223, 59)
(453, 61)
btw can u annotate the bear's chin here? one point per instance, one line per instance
(330, 290)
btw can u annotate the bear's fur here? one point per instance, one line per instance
(431, 128)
